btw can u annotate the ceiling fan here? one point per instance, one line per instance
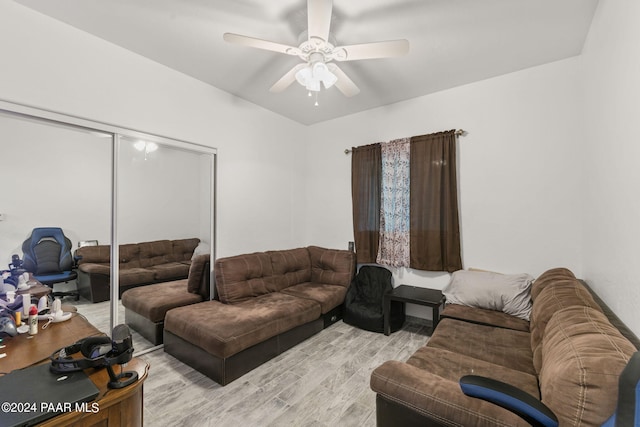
(318, 53)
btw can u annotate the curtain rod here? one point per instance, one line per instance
(459, 132)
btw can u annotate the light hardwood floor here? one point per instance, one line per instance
(323, 381)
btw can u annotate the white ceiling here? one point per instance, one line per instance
(453, 42)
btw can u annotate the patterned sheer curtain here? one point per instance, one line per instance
(394, 249)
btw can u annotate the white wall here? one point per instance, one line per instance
(44, 173)
(611, 233)
(50, 65)
(520, 169)
(159, 194)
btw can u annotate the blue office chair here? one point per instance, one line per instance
(537, 414)
(47, 255)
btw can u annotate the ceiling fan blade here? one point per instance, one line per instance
(344, 83)
(260, 44)
(319, 19)
(286, 80)
(387, 49)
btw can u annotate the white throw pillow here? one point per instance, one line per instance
(509, 293)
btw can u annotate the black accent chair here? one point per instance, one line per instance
(537, 414)
(363, 306)
(47, 255)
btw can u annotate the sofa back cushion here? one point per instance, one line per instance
(155, 252)
(242, 277)
(332, 266)
(290, 267)
(563, 293)
(582, 357)
(129, 255)
(182, 249)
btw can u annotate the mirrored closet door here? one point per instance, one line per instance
(103, 185)
(164, 206)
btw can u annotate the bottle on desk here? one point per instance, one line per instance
(33, 320)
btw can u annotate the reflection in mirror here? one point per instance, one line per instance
(164, 201)
(151, 196)
(57, 175)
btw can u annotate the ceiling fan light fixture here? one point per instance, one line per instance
(312, 75)
(322, 73)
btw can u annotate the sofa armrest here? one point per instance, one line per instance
(199, 278)
(509, 397)
(91, 268)
(435, 397)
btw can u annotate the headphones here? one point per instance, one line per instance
(97, 351)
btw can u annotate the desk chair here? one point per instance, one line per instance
(47, 255)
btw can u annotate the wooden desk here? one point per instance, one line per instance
(26, 350)
(117, 407)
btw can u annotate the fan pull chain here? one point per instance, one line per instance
(316, 104)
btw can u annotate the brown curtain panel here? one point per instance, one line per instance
(366, 179)
(435, 229)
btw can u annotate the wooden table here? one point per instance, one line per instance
(415, 295)
(117, 407)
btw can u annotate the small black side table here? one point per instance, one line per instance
(415, 295)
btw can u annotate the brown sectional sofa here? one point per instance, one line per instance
(569, 355)
(146, 306)
(266, 303)
(140, 264)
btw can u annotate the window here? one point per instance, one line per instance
(379, 179)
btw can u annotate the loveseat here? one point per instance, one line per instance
(140, 264)
(569, 355)
(267, 302)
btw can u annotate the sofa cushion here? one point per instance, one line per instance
(155, 252)
(182, 249)
(328, 296)
(242, 277)
(509, 293)
(129, 255)
(135, 276)
(504, 347)
(549, 277)
(332, 266)
(482, 316)
(562, 293)
(290, 267)
(453, 366)
(128, 276)
(154, 301)
(582, 357)
(437, 397)
(226, 329)
(169, 271)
